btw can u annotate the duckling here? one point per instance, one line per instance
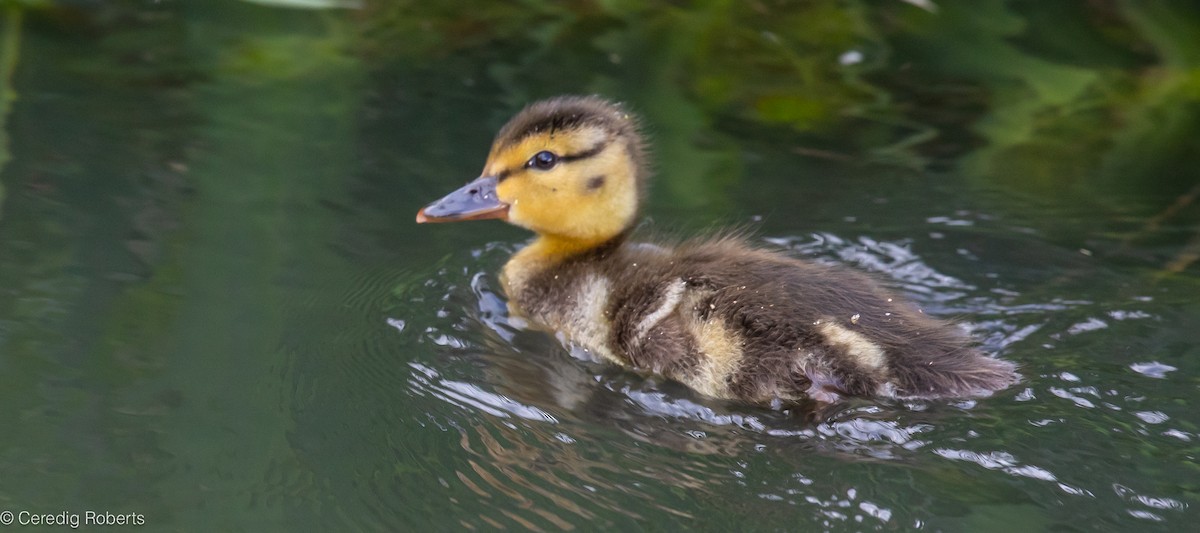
(727, 319)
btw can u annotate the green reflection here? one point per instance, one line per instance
(10, 51)
(279, 109)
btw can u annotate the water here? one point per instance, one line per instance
(217, 312)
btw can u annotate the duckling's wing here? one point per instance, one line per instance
(791, 328)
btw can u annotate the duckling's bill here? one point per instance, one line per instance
(474, 201)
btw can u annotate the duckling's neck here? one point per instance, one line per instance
(547, 251)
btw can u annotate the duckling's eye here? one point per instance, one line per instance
(543, 160)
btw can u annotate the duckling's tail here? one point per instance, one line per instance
(970, 375)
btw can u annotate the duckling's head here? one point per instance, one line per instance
(570, 168)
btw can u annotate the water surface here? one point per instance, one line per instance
(216, 310)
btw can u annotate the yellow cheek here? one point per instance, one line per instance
(534, 200)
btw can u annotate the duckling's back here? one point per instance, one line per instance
(731, 321)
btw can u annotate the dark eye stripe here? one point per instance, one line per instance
(590, 152)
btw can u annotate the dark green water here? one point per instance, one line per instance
(216, 310)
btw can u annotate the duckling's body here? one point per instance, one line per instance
(728, 320)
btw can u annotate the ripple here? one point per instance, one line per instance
(1091, 324)
(997, 460)
(893, 259)
(466, 395)
(1154, 502)
(1129, 315)
(1070, 395)
(1152, 417)
(1153, 369)
(557, 481)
